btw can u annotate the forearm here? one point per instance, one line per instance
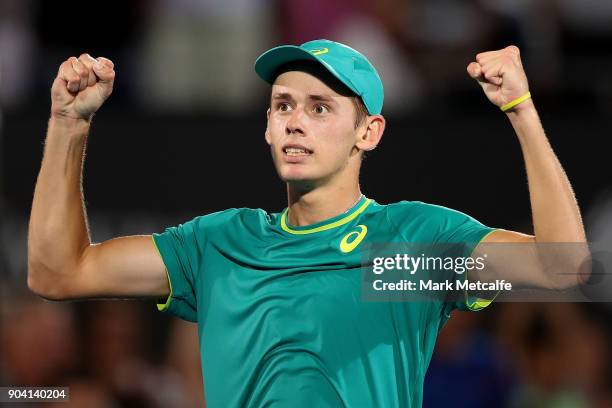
(556, 216)
(58, 231)
(555, 213)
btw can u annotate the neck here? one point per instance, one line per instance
(308, 207)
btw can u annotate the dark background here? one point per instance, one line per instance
(182, 135)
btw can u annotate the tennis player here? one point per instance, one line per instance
(276, 296)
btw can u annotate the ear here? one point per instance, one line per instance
(268, 138)
(370, 132)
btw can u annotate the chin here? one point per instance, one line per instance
(299, 178)
(292, 177)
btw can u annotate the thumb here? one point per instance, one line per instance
(104, 70)
(474, 70)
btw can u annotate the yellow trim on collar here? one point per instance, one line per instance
(325, 227)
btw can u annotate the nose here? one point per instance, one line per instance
(295, 123)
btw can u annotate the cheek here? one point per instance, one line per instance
(340, 139)
(267, 136)
(273, 131)
(335, 150)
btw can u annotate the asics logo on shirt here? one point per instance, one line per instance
(356, 237)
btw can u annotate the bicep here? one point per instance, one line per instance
(506, 236)
(513, 257)
(127, 266)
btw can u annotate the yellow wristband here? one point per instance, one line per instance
(515, 102)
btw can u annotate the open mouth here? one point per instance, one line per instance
(296, 151)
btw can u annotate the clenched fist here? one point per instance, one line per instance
(81, 86)
(501, 75)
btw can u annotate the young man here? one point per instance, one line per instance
(277, 296)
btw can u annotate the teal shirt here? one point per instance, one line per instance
(279, 311)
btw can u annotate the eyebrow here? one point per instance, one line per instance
(312, 97)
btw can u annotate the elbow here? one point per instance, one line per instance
(49, 274)
(576, 270)
(584, 269)
(582, 265)
(42, 283)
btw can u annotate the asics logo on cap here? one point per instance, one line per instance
(319, 51)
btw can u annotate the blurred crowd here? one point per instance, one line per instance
(188, 56)
(117, 354)
(197, 55)
(105, 352)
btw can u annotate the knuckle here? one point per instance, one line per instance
(87, 60)
(82, 71)
(66, 65)
(107, 61)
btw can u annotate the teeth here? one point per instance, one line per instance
(292, 151)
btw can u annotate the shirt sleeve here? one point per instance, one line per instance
(180, 248)
(436, 224)
(467, 233)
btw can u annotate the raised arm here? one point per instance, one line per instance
(62, 261)
(555, 212)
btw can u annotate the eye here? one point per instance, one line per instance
(283, 107)
(320, 109)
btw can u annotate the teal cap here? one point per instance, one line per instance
(348, 65)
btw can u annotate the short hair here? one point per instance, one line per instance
(361, 112)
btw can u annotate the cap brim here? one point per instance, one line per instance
(268, 63)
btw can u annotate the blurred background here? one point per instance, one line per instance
(183, 135)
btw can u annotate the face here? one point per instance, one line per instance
(311, 130)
